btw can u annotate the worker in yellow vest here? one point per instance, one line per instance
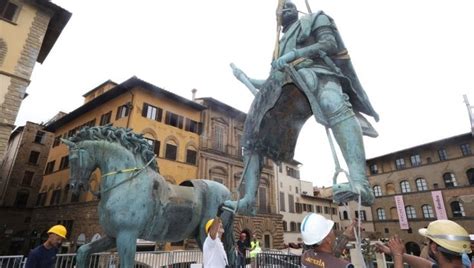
(254, 249)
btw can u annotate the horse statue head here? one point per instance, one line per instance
(81, 167)
(86, 148)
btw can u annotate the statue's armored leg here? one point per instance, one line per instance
(348, 134)
(253, 166)
(84, 252)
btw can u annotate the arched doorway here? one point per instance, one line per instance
(412, 248)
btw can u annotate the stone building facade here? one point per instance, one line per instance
(20, 179)
(29, 30)
(296, 199)
(170, 124)
(432, 180)
(220, 159)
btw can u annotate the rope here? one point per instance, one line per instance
(127, 170)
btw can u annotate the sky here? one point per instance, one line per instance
(414, 59)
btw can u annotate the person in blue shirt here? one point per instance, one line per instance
(44, 255)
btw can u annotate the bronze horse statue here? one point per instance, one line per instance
(135, 200)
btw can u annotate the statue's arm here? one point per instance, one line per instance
(326, 44)
(253, 85)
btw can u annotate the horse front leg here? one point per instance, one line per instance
(126, 247)
(84, 252)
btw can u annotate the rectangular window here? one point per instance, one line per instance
(41, 199)
(191, 157)
(152, 112)
(465, 149)
(171, 151)
(34, 156)
(374, 169)
(57, 141)
(105, 118)
(333, 211)
(299, 208)
(415, 160)
(262, 200)
(49, 167)
(282, 201)
(443, 154)
(291, 204)
(8, 10)
(27, 178)
(64, 162)
(174, 120)
(319, 209)
(218, 138)
(326, 210)
(400, 163)
(292, 172)
(75, 197)
(193, 126)
(55, 197)
(122, 111)
(40, 137)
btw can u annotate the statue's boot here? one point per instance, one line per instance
(348, 135)
(251, 177)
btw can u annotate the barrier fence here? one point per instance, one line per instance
(168, 259)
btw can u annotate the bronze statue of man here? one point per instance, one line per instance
(311, 75)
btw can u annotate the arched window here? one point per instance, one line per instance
(411, 213)
(191, 155)
(285, 227)
(457, 209)
(390, 188)
(427, 211)
(405, 186)
(381, 214)
(171, 150)
(421, 184)
(377, 190)
(449, 180)
(470, 176)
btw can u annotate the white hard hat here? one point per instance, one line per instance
(315, 228)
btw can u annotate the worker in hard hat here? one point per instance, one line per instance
(323, 247)
(214, 255)
(448, 241)
(44, 255)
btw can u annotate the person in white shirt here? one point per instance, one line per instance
(214, 255)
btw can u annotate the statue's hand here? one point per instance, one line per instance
(283, 60)
(237, 72)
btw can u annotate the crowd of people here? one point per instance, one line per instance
(448, 245)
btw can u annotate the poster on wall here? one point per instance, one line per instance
(402, 215)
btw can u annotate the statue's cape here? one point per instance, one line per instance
(280, 109)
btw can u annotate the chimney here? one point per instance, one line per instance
(470, 110)
(194, 94)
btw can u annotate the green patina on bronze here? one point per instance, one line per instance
(135, 200)
(312, 75)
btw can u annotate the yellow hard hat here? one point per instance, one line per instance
(59, 230)
(448, 235)
(208, 225)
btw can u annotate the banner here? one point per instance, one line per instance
(439, 205)
(402, 215)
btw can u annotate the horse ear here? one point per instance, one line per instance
(68, 143)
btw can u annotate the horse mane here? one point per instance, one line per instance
(124, 136)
